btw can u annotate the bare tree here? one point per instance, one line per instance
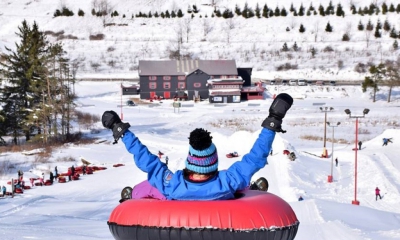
(187, 26)
(316, 30)
(228, 29)
(207, 28)
(367, 37)
(393, 75)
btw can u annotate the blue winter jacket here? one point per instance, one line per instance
(222, 186)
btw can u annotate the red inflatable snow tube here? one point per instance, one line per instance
(253, 215)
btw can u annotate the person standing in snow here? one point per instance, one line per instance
(336, 162)
(301, 198)
(166, 160)
(200, 179)
(359, 145)
(377, 194)
(4, 190)
(55, 173)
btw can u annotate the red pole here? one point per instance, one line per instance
(122, 116)
(355, 202)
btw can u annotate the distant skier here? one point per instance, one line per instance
(386, 141)
(359, 145)
(377, 194)
(301, 198)
(336, 162)
(166, 160)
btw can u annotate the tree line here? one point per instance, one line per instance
(35, 88)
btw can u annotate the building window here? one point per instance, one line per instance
(152, 85)
(181, 78)
(197, 85)
(181, 85)
(167, 85)
(223, 77)
(153, 78)
(233, 77)
(167, 78)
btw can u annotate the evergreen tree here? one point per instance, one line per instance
(227, 14)
(330, 10)
(386, 26)
(302, 29)
(346, 37)
(395, 45)
(321, 10)
(308, 13)
(301, 10)
(377, 33)
(360, 12)
(384, 8)
(173, 14)
(283, 12)
(167, 14)
(285, 48)
(291, 7)
(370, 27)
(237, 10)
(287, 29)
(180, 13)
(378, 25)
(339, 10)
(328, 27)
(189, 10)
(277, 12)
(265, 11)
(391, 8)
(311, 8)
(195, 9)
(295, 47)
(245, 12)
(81, 13)
(360, 26)
(57, 13)
(372, 9)
(258, 11)
(353, 9)
(393, 33)
(398, 8)
(24, 70)
(271, 13)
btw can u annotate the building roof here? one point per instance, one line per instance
(253, 89)
(185, 67)
(224, 92)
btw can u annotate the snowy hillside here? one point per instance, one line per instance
(80, 209)
(251, 42)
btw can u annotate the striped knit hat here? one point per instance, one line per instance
(202, 157)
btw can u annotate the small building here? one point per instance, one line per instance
(225, 90)
(255, 92)
(130, 90)
(165, 79)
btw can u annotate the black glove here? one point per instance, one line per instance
(111, 120)
(277, 112)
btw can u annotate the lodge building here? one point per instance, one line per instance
(215, 80)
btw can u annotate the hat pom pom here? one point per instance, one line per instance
(200, 139)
